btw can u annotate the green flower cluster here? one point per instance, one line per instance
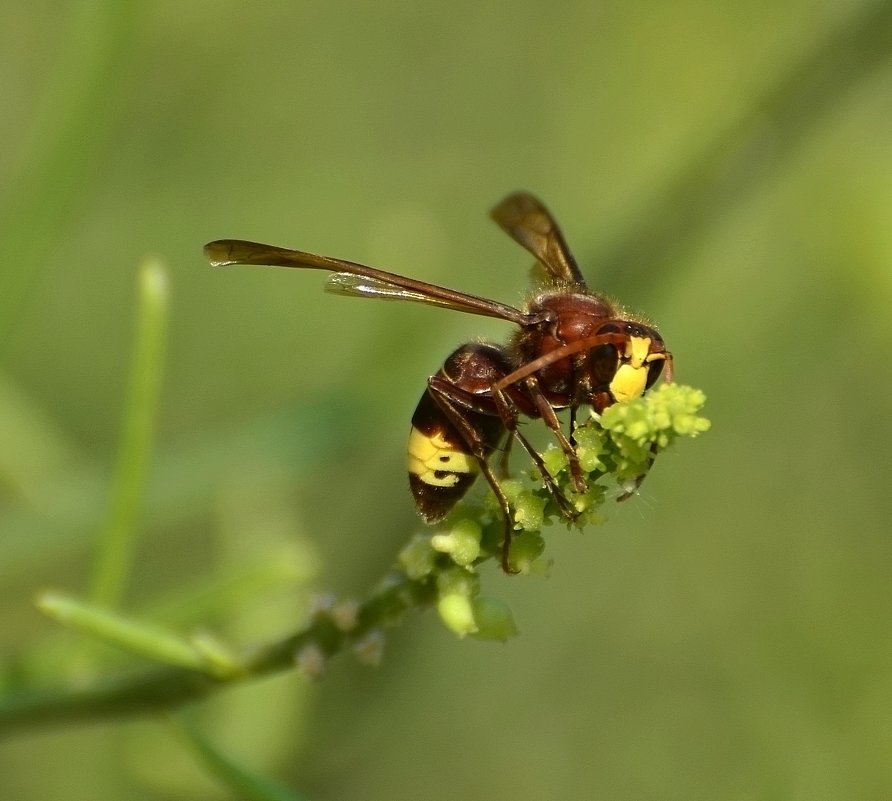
(615, 452)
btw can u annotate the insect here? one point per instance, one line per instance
(573, 348)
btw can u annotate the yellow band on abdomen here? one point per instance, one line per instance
(437, 462)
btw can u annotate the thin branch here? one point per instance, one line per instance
(164, 689)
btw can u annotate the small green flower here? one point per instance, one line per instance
(456, 590)
(461, 542)
(555, 460)
(494, 620)
(529, 510)
(418, 558)
(590, 448)
(617, 447)
(526, 548)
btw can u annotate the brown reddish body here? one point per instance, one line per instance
(583, 378)
(573, 348)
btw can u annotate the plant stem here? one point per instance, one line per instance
(163, 689)
(118, 536)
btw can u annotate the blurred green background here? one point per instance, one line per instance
(725, 166)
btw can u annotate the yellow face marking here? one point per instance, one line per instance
(637, 351)
(628, 382)
(630, 378)
(435, 461)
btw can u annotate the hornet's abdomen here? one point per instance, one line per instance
(455, 426)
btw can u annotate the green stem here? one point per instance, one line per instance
(167, 688)
(117, 538)
(241, 782)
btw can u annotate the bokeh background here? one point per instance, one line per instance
(725, 166)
